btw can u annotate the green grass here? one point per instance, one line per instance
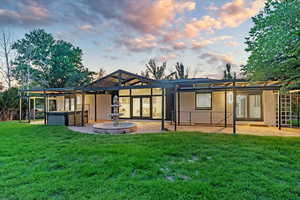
(42, 162)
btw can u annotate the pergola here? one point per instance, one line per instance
(121, 79)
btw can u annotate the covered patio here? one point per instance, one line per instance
(161, 105)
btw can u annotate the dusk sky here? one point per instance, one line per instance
(125, 34)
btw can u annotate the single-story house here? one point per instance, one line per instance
(183, 101)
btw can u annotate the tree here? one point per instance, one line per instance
(181, 72)
(157, 72)
(8, 103)
(274, 43)
(101, 73)
(6, 42)
(227, 72)
(50, 63)
(145, 73)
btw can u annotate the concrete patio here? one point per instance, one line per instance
(153, 126)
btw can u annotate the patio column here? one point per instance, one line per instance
(45, 108)
(82, 108)
(20, 108)
(298, 109)
(95, 107)
(75, 109)
(234, 105)
(178, 108)
(225, 111)
(34, 108)
(163, 110)
(175, 120)
(279, 110)
(29, 109)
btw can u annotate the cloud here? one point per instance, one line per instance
(86, 27)
(166, 57)
(216, 58)
(231, 14)
(232, 43)
(145, 16)
(205, 42)
(179, 46)
(144, 43)
(170, 36)
(25, 13)
(236, 12)
(206, 23)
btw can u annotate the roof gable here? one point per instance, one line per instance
(119, 78)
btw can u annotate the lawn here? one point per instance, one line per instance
(42, 162)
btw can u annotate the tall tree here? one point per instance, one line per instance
(157, 72)
(145, 73)
(50, 62)
(181, 72)
(274, 43)
(101, 73)
(227, 72)
(6, 42)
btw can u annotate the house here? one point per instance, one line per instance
(183, 101)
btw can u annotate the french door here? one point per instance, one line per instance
(141, 107)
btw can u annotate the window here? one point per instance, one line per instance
(248, 106)
(52, 105)
(124, 108)
(203, 100)
(145, 91)
(241, 106)
(254, 106)
(69, 103)
(156, 107)
(124, 92)
(156, 91)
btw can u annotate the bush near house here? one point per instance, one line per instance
(43, 162)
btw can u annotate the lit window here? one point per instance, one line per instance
(203, 100)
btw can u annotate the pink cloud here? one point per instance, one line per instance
(25, 13)
(236, 12)
(216, 58)
(86, 27)
(232, 43)
(149, 17)
(197, 44)
(206, 23)
(167, 57)
(231, 14)
(143, 43)
(171, 36)
(179, 46)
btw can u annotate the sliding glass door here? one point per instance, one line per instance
(141, 107)
(136, 107)
(249, 106)
(140, 103)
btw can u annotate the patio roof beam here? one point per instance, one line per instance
(128, 87)
(274, 87)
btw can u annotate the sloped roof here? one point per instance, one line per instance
(119, 78)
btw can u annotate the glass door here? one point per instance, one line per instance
(241, 106)
(136, 107)
(146, 107)
(141, 107)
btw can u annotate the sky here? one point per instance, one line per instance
(124, 34)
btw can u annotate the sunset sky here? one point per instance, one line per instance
(113, 34)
